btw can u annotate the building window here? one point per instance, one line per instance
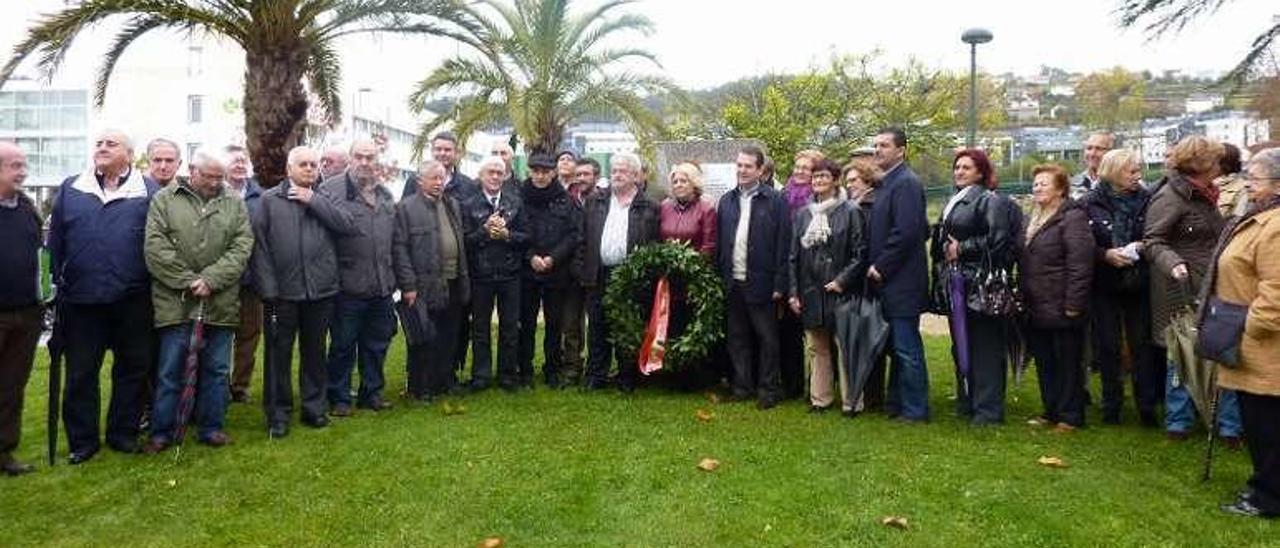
(195, 61)
(191, 149)
(195, 109)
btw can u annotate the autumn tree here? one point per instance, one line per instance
(1112, 100)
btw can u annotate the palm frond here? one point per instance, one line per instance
(324, 74)
(133, 30)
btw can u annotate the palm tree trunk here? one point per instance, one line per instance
(275, 109)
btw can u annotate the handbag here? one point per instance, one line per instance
(1220, 331)
(417, 324)
(994, 291)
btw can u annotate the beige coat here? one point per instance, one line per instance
(1249, 272)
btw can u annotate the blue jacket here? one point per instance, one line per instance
(96, 247)
(768, 243)
(252, 195)
(896, 237)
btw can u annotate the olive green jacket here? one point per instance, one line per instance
(188, 237)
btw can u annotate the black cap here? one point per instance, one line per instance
(543, 161)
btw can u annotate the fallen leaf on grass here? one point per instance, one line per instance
(708, 465)
(172, 483)
(451, 409)
(898, 522)
(492, 542)
(713, 397)
(704, 415)
(1051, 462)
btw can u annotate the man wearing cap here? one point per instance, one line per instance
(552, 222)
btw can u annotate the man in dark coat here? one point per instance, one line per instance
(249, 332)
(95, 242)
(295, 270)
(899, 273)
(495, 244)
(580, 189)
(19, 300)
(753, 246)
(615, 223)
(364, 321)
(553, 223)
(430, 261)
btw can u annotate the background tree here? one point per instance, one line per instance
(539, 68)
(1158, 17)
(285, 42)
(1112, 100)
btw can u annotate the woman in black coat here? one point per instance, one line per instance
(1057, 269)
(973, 237)
(826, 256)
(1121, 308)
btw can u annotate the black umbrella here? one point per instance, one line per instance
(861, 333)
(55, 348)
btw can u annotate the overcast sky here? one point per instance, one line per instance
(702, 43)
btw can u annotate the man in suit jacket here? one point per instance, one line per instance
(899, 273)
(615, 223)
(495, 237)
(754, 228)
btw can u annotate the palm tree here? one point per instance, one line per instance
(539, 68)
(285, 42)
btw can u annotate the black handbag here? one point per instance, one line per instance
(994, 291)
(1220, 331)
(417, 324)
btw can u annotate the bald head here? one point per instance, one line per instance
(333, 162)
(13, 169)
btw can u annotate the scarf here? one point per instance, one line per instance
(819, 228)
(540, 197)
(1040, 216)
(797, 195)
(1126, 213)
(1205, 191)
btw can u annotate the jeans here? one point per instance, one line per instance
(211, 380)
(362, 329)
(1180, 411)
(909, 375)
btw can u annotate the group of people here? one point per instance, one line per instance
(1092, 272)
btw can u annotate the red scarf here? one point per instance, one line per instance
(1207, 191)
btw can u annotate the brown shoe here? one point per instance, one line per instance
(341, 410)
(155, 445)
(1063, 428)
(216, 439)
(1234, 443)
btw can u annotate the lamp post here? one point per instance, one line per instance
(973, 37)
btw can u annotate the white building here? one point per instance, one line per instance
(1239, 128)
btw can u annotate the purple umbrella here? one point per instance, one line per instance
(187, 399)
(959, 329)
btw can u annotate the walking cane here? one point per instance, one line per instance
(268, 362)
(55, 347)
(1214, 410)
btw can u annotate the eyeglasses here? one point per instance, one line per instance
(1251, 178)
(822, 175)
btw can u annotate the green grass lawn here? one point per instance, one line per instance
(548, 468)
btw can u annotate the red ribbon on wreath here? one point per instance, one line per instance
(654, 347)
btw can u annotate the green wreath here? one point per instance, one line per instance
(629, 297)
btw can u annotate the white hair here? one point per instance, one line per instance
(431, 165)
(493, 161)
(629, 159)
(206, 158)
(162, 142)
(298, 151)
(1269, 159)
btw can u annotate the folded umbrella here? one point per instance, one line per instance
(190, 372)
(861, 334)
(959, 326)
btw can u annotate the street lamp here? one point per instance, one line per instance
(973, 37)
